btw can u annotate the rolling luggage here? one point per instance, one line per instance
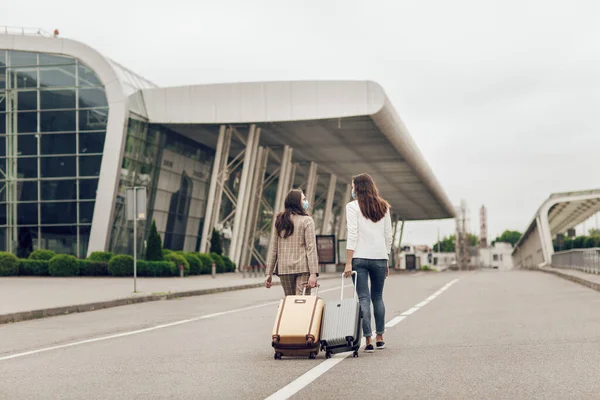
(298, 326)
(342, 324)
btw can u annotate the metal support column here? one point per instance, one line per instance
(311, 185)
(240, 208)
(293, 176)
(327, 215)
(210, 202)
(286, 163)
(343, 229)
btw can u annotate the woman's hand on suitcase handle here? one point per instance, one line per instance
(348, 270)
(269, 282)
(312, 280)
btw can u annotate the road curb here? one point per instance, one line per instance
(589, 284)
(101, 305)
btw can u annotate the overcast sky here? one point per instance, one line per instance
(502, 97)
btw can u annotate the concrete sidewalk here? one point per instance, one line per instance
(591, 281)
(23, 298)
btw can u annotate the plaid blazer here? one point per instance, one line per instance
(296, 254)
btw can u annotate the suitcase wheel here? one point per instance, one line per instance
(355, 354)
(277, 356)
(312, 356)
(328, 354)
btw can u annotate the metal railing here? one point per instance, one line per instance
(23, 31)
(585, 260)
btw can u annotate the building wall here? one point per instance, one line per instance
(499, 256)
(53, 119)
(529, 253)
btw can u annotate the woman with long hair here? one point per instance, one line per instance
(294, 251)
(368, 247)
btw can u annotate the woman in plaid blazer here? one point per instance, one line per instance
(294, 252)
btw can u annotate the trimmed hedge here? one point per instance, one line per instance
(206, 261)
(219, 261)
(155, 268)
(44, 255)
(121, 265)
(195, 263)
(93, 268)
(9, 264)
(178, 260)
(29, 267)
(101, 256)
(63, 265)
(165, 253)
(229, 265)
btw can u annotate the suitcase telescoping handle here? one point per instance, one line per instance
(306, 285)
(354, 295)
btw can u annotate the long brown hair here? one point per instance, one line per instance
(371, 205)
(293, 206)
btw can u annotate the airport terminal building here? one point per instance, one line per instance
(77, 129)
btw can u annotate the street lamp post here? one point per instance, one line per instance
(136, 210)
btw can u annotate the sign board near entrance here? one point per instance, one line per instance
(326, 249)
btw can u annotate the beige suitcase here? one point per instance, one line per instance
(297, 326)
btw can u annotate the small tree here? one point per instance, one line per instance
(154, 250)
(216, 246)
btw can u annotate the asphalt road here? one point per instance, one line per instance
(487, 335)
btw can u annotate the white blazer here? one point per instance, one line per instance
(369, 240)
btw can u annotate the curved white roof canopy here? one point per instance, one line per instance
(347, 127)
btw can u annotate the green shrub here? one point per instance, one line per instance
(195, 263)
(9, 264)
(101, 256)
(63, 265)
(154, 245)
(165, 252)
(178, 260)
(155, 268)
(121, 265)
(219, 261)
(93, 268)
(426, 268)
(45, 255)
(206, 261)
(229, 265)
(29, 267)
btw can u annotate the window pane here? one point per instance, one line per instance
(84, 239)
(2, 93)
(86, 211)
(57, 76)
(2, 146)
(2, 78)
(2, 167)
(22, 59)
(59, 213)
(57, 121)
(60, 239)
(26, 239)
(26, 145)
(27, 167)
(87, 77)
(57, 99)
(3, 214)
(27, 190)
(89, 165)
(59, 190)
(27, 213)
(64, 143)
(87, 188)
(2, 58)
(57, 167)
(91, 142)
(27, 122)
(93, 120)
(24, 79)
(27, 100)
(47, 59)
(2, 123)
(93, 97)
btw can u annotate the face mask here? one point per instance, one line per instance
(305, 205)
(353, 194)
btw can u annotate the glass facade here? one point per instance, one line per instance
(176, 172)
(53, 116)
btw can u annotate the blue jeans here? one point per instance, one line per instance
(376, 269)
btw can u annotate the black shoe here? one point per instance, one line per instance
(369, 348)
(380, 345)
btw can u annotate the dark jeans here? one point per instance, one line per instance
(376, 269)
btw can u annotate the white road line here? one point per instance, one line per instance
(410, 311)
(307, 378)
(153, 328)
